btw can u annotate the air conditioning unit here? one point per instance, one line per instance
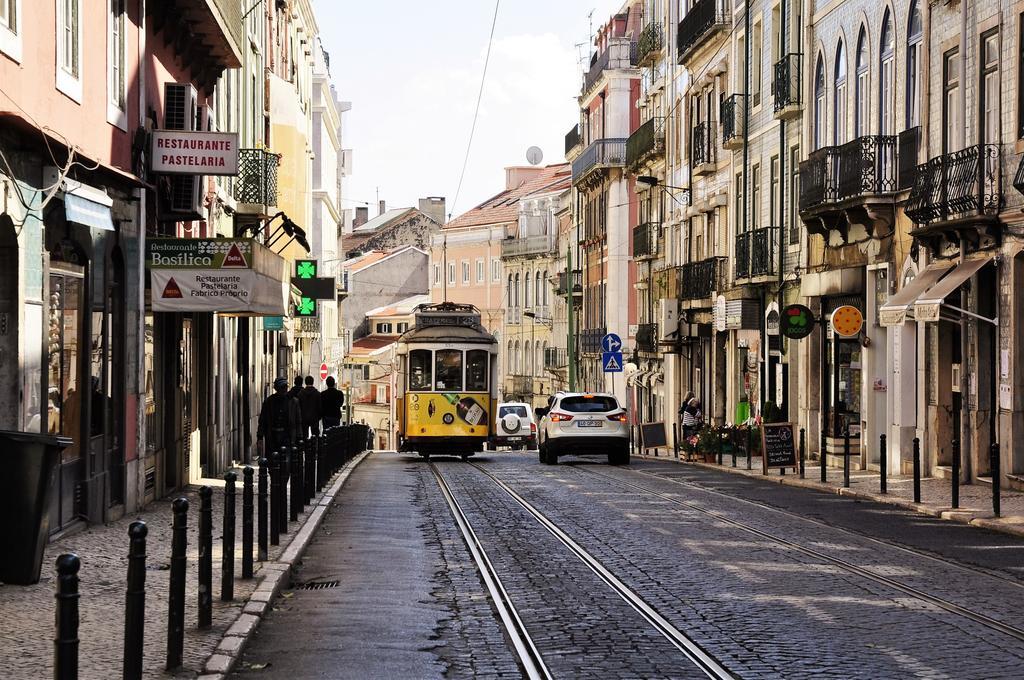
(183, 112)
(668, 318)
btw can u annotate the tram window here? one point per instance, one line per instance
(419, 370)
(476, 370)
(448, 369)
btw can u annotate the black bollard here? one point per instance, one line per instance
(675, 439)
(205, 557)
(803, 453)
(227, 561)
(321, 462)
(917, 470)
(883, 464)
(823, 452)
(718, 440)
(750, 447)
(65, 641)
(284, 472)
(996, 477)
(846, 457)
(247, 473)
(261, 512)
(956, 473)
(732, 442)
(135, 602)
(275, 497)
(176, 597)
(296, 491)
(309, 470)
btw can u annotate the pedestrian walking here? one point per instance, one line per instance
(309, 405)
(693, 418)
(683, 404)
(331, 402)
(294, 391)
(279, 418)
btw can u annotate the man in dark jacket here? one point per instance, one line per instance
(294, 391)
(309, 405)
(331, 401)
(279, 419)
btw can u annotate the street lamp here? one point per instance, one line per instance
(650, 182)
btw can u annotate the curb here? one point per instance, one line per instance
(972, 518)
(275, 575)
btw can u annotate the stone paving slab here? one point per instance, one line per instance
(27, 612)
(975, 499)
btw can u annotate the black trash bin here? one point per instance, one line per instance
(29, 461)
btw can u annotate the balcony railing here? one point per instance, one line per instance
(699, 280)
(1018, 179)
(702, 148)
(647, 337)
(647, 141)
(732, 119)
(522, 385)
(741, 261)
(646, 241)
(757, 253)
(596, 69)
(572, 138)
(562, 288)
(958, 184)
(603, 153)
(257, 177)
(909, 145)
(816, 187)
(528, 245)
(590, 340)
(555, 358)
(866, 166)
(650, 42)
(703, 19)
(786, 82)
(619, 53)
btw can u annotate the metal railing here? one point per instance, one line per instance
(577, 278)
(741, 259)
(732, 118)
(522, 385)
(527, 245)
(764, 252)
(650, 42)
(909, 146)
(257, 177)
(572, 138)
(603, 62)
(647, 337)
(957, 184)
(702, 147)
(865, 166)
(590, 340)
(647, 140)
(555, 357)
(703, 19)
(646, 241)
(786, 82)
(601, 153)
(699, 280)
(1018, 178)
(816, 186)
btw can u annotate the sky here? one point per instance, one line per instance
(412, 73)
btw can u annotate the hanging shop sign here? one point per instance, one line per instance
(230, 276)
(847, 321)
(796, 322)
(184, 152)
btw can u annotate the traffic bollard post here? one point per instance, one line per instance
(309, 471)
(322, 465)
(718, 440)
(247, 473)
(917, 470)
(846, 457)
(883, 464)
(227, 562)
(205, 557)
(135, 602)
(996, 477)
(803, 453)
(822, 453)
(275, 497)
(732, 443)
(750, 447)
(956, 474)
(675, 439)
(285, 472)
(295, 488)
(176, 594)
(299, 478)
(261, 511)
(65, 641)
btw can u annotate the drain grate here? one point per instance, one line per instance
(319, 585)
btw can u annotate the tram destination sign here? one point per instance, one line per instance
(778, 446)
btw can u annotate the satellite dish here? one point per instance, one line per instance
(534, 155)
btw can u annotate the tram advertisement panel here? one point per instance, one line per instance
(447, 414)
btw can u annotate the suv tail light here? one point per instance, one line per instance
(533, 427)
(619, 417)
(560, 417)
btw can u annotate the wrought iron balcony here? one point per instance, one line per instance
(647, 142)
(815, 173)
(562, 289)
(650, 43)
(1018, 178)
(528, 245)
(757, 253)
(741, 261)
(732, 120)
(601, 154)
(572, 138)
(646, 240)
(555, 358)
(703, 147)
(647, 337)
(704, 20)
(961, 184)
(909, 146)
(522, 385)
(699, 280)
(786, 86)
(590, 340)
(866, 166)
(257, 177)
(619, 53)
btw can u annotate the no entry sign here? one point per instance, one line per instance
(323, 371)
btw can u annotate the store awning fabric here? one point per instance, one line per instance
(81, 210)
(894, 312)
(928, 305)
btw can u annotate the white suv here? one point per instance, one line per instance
(516, 426)
(579, 423)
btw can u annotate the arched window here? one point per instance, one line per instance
(510, 289)
(536, 289)
(509, 370)
(544, 287)
(528, 356)
(860, 97)
(539, 360)
(819, 103)
(915, 33)
(526, 290)
(887, 78)
(517, 360)
(840, 98)
(515, 299)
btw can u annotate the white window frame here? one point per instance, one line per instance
(451, 273)
(117, 101)
(495, 270)
(437, 276)
(67, 82)
(466, 273)
(481, 271)
(10, 35)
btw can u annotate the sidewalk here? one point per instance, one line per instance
(975, 499)
(27, 612)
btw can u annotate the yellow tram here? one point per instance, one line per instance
(447, 382)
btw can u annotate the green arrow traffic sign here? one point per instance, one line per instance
(306, 307)
(305, 269)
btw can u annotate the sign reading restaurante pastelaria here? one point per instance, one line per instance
(183, 152)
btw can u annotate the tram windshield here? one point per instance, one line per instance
(476, 370)
(448, 370)
(420, 361)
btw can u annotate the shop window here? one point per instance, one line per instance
(420, 365)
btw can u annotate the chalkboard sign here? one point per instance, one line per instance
(778, 446)
(653, 435)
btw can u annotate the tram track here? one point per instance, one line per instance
(692, 651)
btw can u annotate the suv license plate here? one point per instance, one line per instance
(590, 423)
(514, 439)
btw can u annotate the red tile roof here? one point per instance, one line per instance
(371, 343)
(504, 207)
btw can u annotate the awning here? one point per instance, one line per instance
(894, 312)
(87, 212)
(928, 305)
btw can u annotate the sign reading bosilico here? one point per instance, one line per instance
(184, 152)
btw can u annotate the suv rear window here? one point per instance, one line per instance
(589, 404)
(518, 410)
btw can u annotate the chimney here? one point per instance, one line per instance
(380, 207)
(433, 207)
(362, 216)
(517, 174)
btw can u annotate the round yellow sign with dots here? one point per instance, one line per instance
(847, 321)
